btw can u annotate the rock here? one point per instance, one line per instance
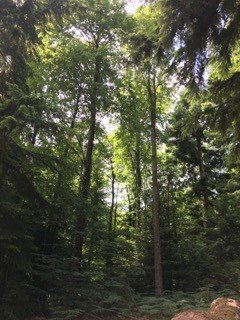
(191, 315)
(225, 309)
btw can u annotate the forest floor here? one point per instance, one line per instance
(123, 317)
(108, 317)
(155, 308)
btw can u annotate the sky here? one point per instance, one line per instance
(132, 5)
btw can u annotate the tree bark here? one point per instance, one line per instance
(151, 86)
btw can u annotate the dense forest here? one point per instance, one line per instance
(119, 157)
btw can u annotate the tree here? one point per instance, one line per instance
(22, 200)
(96, 22)
(197, 32)
(146, 54)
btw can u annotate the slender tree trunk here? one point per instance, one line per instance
(84, 186)
(136, 172)
(155, 190)
(138, 181)
(115, 214)
(111, 233)
(111, 212)
(203, 181)
(130, 208)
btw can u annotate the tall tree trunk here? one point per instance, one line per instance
(203, 181)
(130, 208)
(138, 182)
(151, 86)
(84, 186)
(111, 212)
(136, 172)
(115, 213)
(111, 233)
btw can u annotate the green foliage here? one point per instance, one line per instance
(59, 63)
(189, 29)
